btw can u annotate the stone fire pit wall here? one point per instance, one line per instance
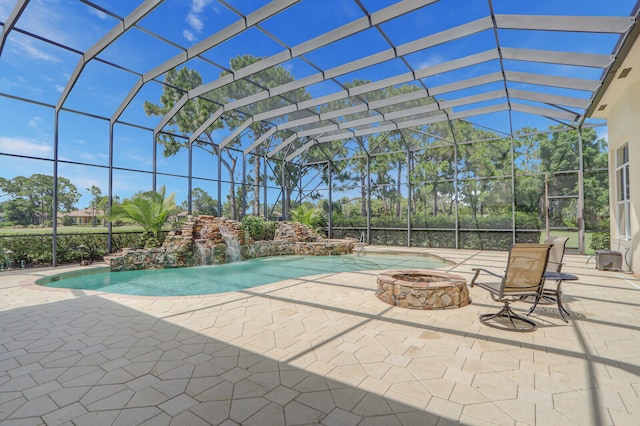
(423, 289)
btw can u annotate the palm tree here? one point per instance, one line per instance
(307, 215)
(148, 209)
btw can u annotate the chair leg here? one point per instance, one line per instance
(563, 312)
(508, 313)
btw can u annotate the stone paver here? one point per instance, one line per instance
(318, 350)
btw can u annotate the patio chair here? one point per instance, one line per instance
(523, 277)
(552, 293)
(556, 254)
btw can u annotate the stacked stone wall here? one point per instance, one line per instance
(202, 234)
(295, 232)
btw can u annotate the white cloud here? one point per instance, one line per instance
(198, 6)
(93, 158)
(188, 35)
(97, 13)
(195, 22)
(24, 147)
(195, 19)
(24, 46)
(433, 60)
(35, 121)
(141, 160)
(83, 180)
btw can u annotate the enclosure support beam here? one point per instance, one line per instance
(330, 232)
(513, 191)
(10, 22)
(456, 188)
(284, 190)
(546, 205)
(56, 145)
(244, 186)
(155, 162)
(580, 206)
(219, 150)
(190, 180)
(264, 186)
(368, 198)
(408, 197)
(300, 188)
(110, 185)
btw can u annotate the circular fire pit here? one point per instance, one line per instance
(423, 289)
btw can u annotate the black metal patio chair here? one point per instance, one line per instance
(523, 277)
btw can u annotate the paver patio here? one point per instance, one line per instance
(320, 350)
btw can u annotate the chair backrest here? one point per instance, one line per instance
(556, 254)
(525, 268)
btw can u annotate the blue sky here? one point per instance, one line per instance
(38, 71)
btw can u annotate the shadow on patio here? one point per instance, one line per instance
(321, 350)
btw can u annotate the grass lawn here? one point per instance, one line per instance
(573, 239)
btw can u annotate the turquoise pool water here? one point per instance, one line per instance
(230, 276)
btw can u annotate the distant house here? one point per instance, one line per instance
(82, 217)
(180, 215)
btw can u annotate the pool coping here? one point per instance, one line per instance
(31, 282)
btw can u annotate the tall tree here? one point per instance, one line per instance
(202, 203)
(95, 202)
(383, 184)
(196, 111)
(559, 152)
(32, 198)
(190, 117)
(257, 83)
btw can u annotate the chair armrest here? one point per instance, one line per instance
(478, 270)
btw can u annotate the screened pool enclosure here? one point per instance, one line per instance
(450, 123)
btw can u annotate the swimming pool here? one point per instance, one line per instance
(231, 276)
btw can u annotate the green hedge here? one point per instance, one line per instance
(440, 231)
(473, 240)
(523, 221)
(36, 250)
(600, 241)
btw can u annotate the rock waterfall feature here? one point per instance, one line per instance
(209, 240)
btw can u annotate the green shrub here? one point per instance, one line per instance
(387, 237)
(37, 250)
(347, 233)
(600, 241)
(353, 221)
(436, 239)
(388, 222)
(310, 216)
(123, 240)
(258, 229)
(147, 240)
(528, 221)
(428, 221)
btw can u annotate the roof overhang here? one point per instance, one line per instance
(624, 71)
